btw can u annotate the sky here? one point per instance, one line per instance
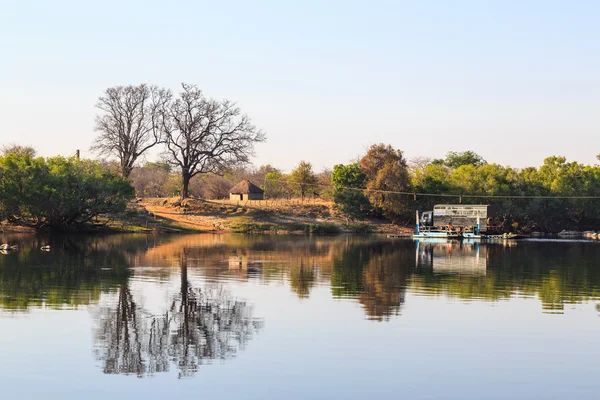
(515, 81)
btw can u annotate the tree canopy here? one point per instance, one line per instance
(387, 172)
(303, 179)
(350, 201)
(556, 177)
(58, 193)
(457, 159)
(204, 135)
(127, 123)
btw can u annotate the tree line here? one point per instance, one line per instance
(207, 146)
(59, 193)
(557, 195)
(384, 184)
(159, 179)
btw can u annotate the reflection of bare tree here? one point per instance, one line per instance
(199, 325)
(121, 334)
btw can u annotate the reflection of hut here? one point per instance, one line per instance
(241, 266)
(246, 190)
(238, 263)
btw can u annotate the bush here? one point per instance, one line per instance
(247, 224)
(360, 227)
(58, 193)
(323, 229)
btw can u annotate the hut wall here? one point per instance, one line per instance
(246, 196)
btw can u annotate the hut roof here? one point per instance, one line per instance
(245, 187)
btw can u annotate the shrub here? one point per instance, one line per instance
(360, 227)
(323, 228)
(58, 193)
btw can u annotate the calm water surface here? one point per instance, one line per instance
(256, 317)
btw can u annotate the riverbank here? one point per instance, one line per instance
(170, 215)
(278, 217)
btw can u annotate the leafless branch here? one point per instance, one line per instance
(127, 122)
(204, 135)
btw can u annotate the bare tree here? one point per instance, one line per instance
(23, 151)
(127, 123)
(150, 180)
(211, 186)
(419, 162)
(205, 135)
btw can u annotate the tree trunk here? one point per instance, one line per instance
(125, 170)
(185, 189)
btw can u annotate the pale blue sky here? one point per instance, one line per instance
(513, 80)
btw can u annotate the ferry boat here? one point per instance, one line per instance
(452, 221)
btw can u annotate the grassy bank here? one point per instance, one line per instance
(250, 225)
(169, 215)
(280, 216)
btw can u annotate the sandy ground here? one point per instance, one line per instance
(214, 216)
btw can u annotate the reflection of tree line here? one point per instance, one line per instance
(74, 274)
(558, 273)
(376, 272)
(373, 271)
(198, 325)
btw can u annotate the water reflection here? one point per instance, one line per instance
(556, 273)
(376, 273)
(95, 313)
(452, 257)
(74, 274)
(196, 326)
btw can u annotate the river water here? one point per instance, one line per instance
(260, 317)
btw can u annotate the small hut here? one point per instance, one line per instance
(246, 190)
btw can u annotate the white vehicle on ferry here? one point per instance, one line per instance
(456, 221)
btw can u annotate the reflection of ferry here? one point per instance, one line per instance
(450, 257)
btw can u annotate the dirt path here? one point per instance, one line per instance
(189, 221)
(211, 216)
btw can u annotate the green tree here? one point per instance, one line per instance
(387, 172)
(59, 193)
(456, 159)
(434, 178)
(275, 185)
(303, 178)
(349, 201)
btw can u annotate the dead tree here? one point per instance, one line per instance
(205, 135)
(127, 123)
(19, 150)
